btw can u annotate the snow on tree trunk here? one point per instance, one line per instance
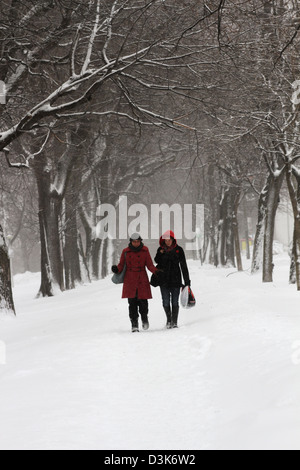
(293, 277)
(272, 206)
(295, 200)
(296, 252)
(6, 296)
(257, 260)
(51, 252)
(51, 256)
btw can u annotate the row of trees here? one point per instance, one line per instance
(102, 97)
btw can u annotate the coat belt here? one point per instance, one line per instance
(136, 270)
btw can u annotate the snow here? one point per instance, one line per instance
(228, 378)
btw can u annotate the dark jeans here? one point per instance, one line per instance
(170, 296)
(135, 306)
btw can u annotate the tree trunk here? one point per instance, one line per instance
(51, 252)
(71, 248)
(293, 275)
(6, 296)
(272, 206)
(226, 230)
(222, 230)
(246, 231)
(213, 243)
(95, 258)
(25, 254)
(235, 226)
(295, 200)
(297, 250)
(213, 251)
(257, 259)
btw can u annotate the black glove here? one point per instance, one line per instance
(115, 269)
(188, 284)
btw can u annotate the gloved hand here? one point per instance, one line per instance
(115, 269)
(187, 284)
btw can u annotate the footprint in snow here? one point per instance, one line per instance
(199, 346)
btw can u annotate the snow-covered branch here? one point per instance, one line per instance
(109, 31)
(91, 42)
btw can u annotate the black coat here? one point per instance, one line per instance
(172, 263)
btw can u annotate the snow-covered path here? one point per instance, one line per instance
(229, 378)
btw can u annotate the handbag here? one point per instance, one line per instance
(119, 278)
(187, 298)
(158, 279)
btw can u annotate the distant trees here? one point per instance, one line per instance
(262, 104)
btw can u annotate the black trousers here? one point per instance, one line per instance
(137, 306)
(170, 294)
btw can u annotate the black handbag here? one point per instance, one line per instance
(158, 279)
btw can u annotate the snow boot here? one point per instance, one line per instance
(134, 318)
(135, 328)
(145, 321)
(169, 317)
(144, 310)
(175, 313)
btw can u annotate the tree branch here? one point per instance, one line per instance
(290, 42)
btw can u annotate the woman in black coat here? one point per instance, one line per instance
(172, 261)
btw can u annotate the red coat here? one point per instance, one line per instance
(136, 282)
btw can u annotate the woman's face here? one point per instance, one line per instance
(169, 242)
(136, 243)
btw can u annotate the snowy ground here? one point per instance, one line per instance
(229, 378)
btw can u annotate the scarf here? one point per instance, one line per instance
(168, 249)
(136, 250)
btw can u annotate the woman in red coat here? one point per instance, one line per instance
(136, 283)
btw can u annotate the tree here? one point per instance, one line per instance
(6, 297)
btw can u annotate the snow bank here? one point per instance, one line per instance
(76, 378)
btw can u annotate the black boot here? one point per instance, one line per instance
(144, 310)
(145, 321)
(175, 313)
(133, 315)
(169, 317)
(135, 327)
